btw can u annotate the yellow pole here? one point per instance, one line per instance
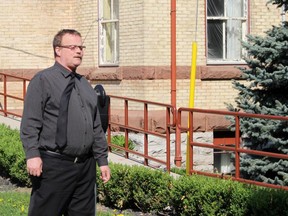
(191, 98)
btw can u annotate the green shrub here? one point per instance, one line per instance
(135, 187)
(150, 189)
(268, 202)
(119, 140)
(179, 171)
(116, 192)
(199, 195)
(12, 160)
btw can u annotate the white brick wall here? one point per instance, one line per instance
(27, 29)
(208, 95)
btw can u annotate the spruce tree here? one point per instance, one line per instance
(265, 92)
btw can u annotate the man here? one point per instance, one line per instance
(62, 145)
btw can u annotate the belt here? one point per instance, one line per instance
(79, 159)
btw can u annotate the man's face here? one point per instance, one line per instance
(70, 53)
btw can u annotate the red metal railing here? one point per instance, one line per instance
(143, 129)
(6, 96)
(237, 148)
(126, 126)
(169, 123)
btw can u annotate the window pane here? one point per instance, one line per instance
(215, 7)
(115, 9)
(107, 9)
(234, 34)
(110, 34)
(226, 27)
(215, 39)
(235, 8)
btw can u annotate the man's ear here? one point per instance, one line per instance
(57, 51)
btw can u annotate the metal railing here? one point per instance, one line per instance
(236, 148)
(171, 115)
(144, 129)
(6, 96)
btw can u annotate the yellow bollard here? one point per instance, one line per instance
(191, 98)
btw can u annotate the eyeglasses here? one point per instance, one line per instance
(73, 47)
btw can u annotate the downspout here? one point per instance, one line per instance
(178, 158)
(173, 53)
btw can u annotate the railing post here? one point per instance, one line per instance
(237, 146)
(168, 154)
(24, 89)
(190, 152)
(126, 125)
(5, 94)
(145, 134)
(178, 157)
(109, 126)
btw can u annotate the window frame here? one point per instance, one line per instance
(245, 30)
(102, 35)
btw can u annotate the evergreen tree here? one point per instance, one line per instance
(265, 93)
(279, 3)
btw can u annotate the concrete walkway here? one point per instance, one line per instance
(15, 124)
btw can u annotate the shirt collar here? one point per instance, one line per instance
(65, 72)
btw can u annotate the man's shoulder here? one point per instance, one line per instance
(46, 73)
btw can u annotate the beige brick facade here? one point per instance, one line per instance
(27, 29)
(208, 95)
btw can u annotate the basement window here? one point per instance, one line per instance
(226, 27)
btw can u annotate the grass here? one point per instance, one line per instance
(16, 204)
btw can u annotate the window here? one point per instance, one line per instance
(226, 27)
(108, 32)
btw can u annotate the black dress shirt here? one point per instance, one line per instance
(41, 107)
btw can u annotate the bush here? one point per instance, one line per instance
(116, 193)
(149, 190)
(135, 187)
(268, 202)
(12, 160)
(198, 195)
(119, 140)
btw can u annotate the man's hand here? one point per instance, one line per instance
(105, 173)
(34, 166)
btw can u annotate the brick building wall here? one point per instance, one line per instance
(208, 95)
(131, 33)
(28, 27)
(263, 16)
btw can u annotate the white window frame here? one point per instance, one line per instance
(224, 19)
(108, 46)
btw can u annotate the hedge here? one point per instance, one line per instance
(157, 192)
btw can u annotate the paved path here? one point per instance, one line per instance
(15, 124)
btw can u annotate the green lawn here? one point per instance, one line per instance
(16, 204)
